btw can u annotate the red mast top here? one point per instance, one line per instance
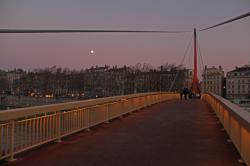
(195, 83)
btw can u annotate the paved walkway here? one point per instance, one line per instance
(174, 133)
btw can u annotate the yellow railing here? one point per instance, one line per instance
(26, 128)
(235, 120)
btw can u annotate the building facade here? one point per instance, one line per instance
(13, 77)
(188, 78)
(213, 80)
(238, 83)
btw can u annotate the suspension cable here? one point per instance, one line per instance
(115, 31)
(228, 21)
(199, 53)
(85, 31)
(182, 61)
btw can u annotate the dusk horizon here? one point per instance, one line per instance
(30, 51)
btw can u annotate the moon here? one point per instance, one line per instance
(91, 51)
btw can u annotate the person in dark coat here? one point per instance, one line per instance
(185, 92)
(181, 94)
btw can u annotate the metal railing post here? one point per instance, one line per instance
(88, 119)
(58, 127)
(12, 140)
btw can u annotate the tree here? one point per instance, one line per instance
(4, 84)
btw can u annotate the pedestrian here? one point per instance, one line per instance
(185, 92)
(181, 94)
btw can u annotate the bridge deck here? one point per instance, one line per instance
(172, 133)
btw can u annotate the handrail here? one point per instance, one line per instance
(235, 120)
(6, 115)
(25, 128)
(242, 115)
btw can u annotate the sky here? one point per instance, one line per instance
(227, 45)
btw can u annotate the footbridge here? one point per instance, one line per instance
(139, 129)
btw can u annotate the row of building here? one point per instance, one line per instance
(234, 86)
(92, 82)
(106, 81)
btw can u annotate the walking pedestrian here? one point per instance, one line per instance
(185, 92)
(181, 93)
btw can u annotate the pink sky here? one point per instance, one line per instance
(228, 45)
